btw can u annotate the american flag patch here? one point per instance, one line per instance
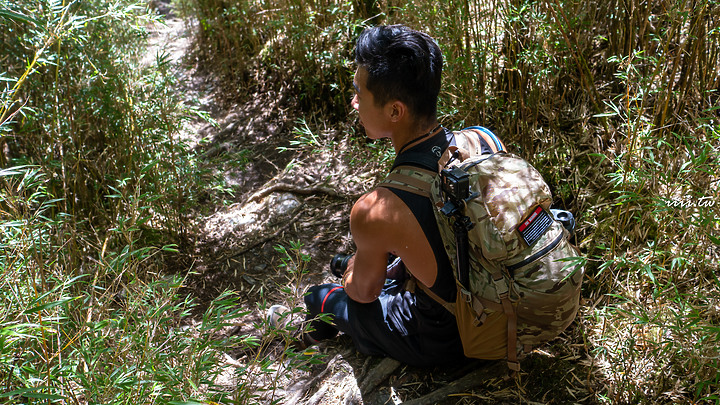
(535, 225)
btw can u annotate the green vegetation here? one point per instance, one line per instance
(95, 193)
(616, 103)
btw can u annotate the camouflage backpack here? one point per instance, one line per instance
(493, 212)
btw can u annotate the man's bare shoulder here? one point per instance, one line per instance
(379, 207)
(381, 220)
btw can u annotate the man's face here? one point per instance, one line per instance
(372, 117)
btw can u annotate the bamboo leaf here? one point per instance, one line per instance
(49, 305)
(17, 17)
(32, 393)
(714, 239)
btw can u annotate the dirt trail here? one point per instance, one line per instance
(275, 197)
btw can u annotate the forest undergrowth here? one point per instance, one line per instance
(616, 103)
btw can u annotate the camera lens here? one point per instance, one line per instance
(339, 264)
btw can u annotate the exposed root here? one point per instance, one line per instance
(291, 188)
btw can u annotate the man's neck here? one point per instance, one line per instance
(405, 137)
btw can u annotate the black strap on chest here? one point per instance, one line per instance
(426, 153)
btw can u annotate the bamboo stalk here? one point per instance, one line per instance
(55, 34)
(586, 77)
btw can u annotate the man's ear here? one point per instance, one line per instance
(396, 110)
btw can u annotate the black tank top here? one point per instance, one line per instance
(426, 155)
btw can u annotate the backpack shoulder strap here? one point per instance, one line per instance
(495, 144)
(411, 179)
(412, 282)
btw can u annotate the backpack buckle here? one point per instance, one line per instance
(501, 286)
(481, 316)
(476, 305)
(466, 295)
(479, 320)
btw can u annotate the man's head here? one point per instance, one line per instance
(402, 64)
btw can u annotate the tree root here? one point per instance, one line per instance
(378, 374)
(291, 188)
(464, 384)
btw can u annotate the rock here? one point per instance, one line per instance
(283, 204)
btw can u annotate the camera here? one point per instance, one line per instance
(455, 184)
(339, 264)
(456, 190)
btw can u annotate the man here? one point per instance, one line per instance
(396, 89)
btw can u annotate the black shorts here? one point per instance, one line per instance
(410, 327)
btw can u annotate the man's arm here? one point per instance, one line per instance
(365, 275)
(380, 224)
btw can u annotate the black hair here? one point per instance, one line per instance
(402, 64)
